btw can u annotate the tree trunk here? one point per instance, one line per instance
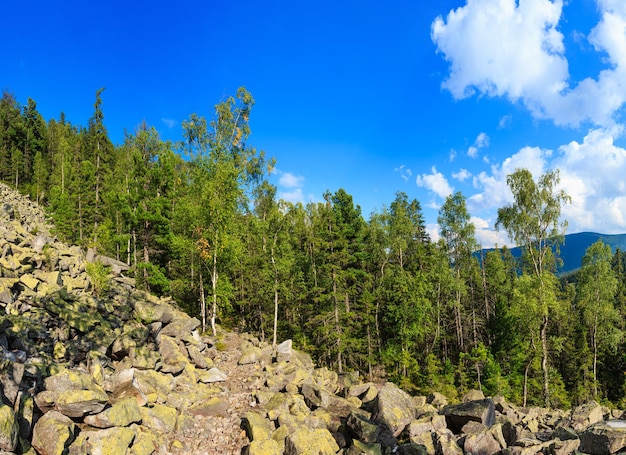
(275, 292)
(134, 249)
(128, 251)
(594, 341)
(458, 321)
(526, 382)
(80, 218)
(202, 304)
(544, 360)
(337, 325)
(214, 286)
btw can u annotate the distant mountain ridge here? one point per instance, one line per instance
(575, 245)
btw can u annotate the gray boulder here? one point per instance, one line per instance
(482, 411)
(604, 438)
(396, 408)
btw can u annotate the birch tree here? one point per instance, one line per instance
(533, 222)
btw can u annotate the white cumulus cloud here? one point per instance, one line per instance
(294, 196)
(290, 186)
(486, 236)
(493, 189)
(515, 50)
(290, 180)
(435, 182)
(462, 175)
(592, 173)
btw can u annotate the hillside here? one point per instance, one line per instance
(91, 365)
(574, 247)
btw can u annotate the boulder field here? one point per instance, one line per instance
(99, 367)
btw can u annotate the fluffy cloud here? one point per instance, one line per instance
(462, 175)
(294, 196)
(290, 180)
(592, 173)
(486, 235)
(482, 140)
(435, 182)
(500, 48)
(290, 186)
(495, 192)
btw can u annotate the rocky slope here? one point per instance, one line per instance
(93, 366)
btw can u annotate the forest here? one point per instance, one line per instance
(199, 220)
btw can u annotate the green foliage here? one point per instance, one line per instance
(152, 277)
(99, 277)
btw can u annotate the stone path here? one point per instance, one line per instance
(216, 426)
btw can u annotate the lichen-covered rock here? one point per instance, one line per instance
(437, 399)
(72, 403)
(25, 414)
(264, 447)
(362, 448)
(8, 428)
(396, 408)
(144, 357)
(53, 433)
(78, 403)
(414, 430)
(172, 359)
(365, 392)
(250, 355)
(70, 380)
(146, 441)
(473, 395)
(212, 375)
(310, 442)
(198, 359)
(446, 444)
(423, 444)
(112, 441)
(257, 427)
(284, 351)
(11, 374)
(120, 414)
(159, 418)
(558, 447)
(585, 415)
(181, 327)
(481, 442)
(363, 428)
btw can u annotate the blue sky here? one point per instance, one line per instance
(425, 97)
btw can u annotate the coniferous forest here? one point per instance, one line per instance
(199, 220)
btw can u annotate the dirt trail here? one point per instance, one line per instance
(216, 427)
